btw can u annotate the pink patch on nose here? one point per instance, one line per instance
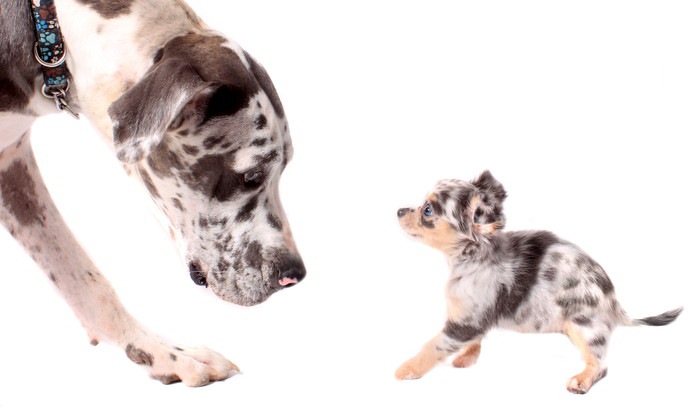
(286, 281)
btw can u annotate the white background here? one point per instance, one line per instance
(586, 111)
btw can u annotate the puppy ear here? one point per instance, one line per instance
(487, 184)
(142, 115)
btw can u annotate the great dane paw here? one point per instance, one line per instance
(194, 367)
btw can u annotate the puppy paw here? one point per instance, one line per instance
(409, 371)
(580, 384)
(194, 367)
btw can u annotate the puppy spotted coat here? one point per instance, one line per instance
(528, 281)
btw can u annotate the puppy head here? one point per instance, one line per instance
(457, 213)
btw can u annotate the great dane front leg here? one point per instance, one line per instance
(27, 211)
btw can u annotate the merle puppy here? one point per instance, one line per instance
(528, 281)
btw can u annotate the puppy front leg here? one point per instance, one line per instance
(29, 214)
(436, 350)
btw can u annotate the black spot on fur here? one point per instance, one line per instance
(228, 185)
(204, 174)
(211, 142)
(163, 161)
(260, 122)
(146, 178)
(582, 320)
(572, 305)
(191, 150)
(598, 341)
(462, 332)
(253, 255)
(556, 257)
(274, 222)
(437, 208)
(109, 8)
(267, 158)
(530, 249)
(178, 204)
(18, 194)
(550, 274)
(246, 212)
(571, 282)
(603, 281)
(139, 356)
(227, 100)
(223, 266)
(258, 142)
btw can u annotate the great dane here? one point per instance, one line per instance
(194, 118)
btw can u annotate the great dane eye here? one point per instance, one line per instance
(253, 178)
(428, 210)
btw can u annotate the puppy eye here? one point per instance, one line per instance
(428, 210)
(253, 178)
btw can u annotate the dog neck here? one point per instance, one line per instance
(110, 47)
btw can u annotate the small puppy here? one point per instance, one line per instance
(528, 281)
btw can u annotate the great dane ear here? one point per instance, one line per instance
(141, 116)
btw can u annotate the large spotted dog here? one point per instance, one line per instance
(195, 119)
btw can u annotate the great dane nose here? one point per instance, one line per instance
(402, 212)
(290, 272)
(196, 274)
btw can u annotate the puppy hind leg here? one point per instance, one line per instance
(433, 352)
(468, 356)
(592, 342)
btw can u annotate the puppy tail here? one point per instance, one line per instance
(658, 320)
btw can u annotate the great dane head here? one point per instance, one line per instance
(206, 133)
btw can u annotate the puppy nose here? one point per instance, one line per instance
(402, 212)
(290, 272)
(196, 274)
